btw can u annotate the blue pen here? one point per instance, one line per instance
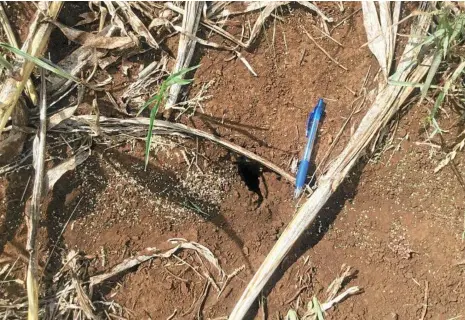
(312, 127)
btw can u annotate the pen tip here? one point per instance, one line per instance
(297, 193)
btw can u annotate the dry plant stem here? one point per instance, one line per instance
(269, 7)
(329, 304)
(344, 20)
(295, 295)
(177, 127)
(34, 208)
(190, 24)
(328, 36)
(30, 89)
(151, 253)
(425, 302)
(11, 90)
(323, 50)
(386, 104)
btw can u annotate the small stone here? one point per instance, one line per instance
(245, 250)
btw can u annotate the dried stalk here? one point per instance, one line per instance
(34, 208)
(30, 88)
(190, 24)
(151, 253)
(386, 104)
(112, 125)
(36, 44)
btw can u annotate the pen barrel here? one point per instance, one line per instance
(302, 173)
(310, 141)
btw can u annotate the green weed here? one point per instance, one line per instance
(47, 65)
(447, 35)
(155, 102)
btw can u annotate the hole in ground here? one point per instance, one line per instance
(250, 173)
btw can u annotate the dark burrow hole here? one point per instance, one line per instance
(250, 173)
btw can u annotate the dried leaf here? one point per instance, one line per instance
(66, 113)
(83, 300)
(52, 175)
(158, 22)
(313, 7)
(202, 41)
(386, 22)
(137, 25)
(202, 250)
(450, 156)
(58, 117)
(91, 40)
(375, 37)
(261, 19)
(87, 17)
(151, 253)
(249, 6)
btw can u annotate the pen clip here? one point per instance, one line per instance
(309, 122)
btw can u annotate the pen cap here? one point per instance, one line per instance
(319, 109)
(315, 115)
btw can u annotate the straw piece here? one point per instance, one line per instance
(34, 209)
(114, 125)
(375, 34)
(386, 104)
(190, 24)
(35, 46)
(30, 88)
(136, 24)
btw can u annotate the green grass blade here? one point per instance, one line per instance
(148, 141)
(458, 27)
(55, 69)
(5, 64)
(317, 309)
(181, 72)
(147, 103)
(292, 315)
(446, 42)
(158, 98)
(436, 35)
(431, 73)
(397, 74)
(180, 81)
(410, 84)
(442, 95)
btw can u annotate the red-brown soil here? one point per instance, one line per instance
(393, 220)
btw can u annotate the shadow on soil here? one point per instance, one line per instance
(170, 188)
(316, 231)
(14, 216)
(69, 202)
